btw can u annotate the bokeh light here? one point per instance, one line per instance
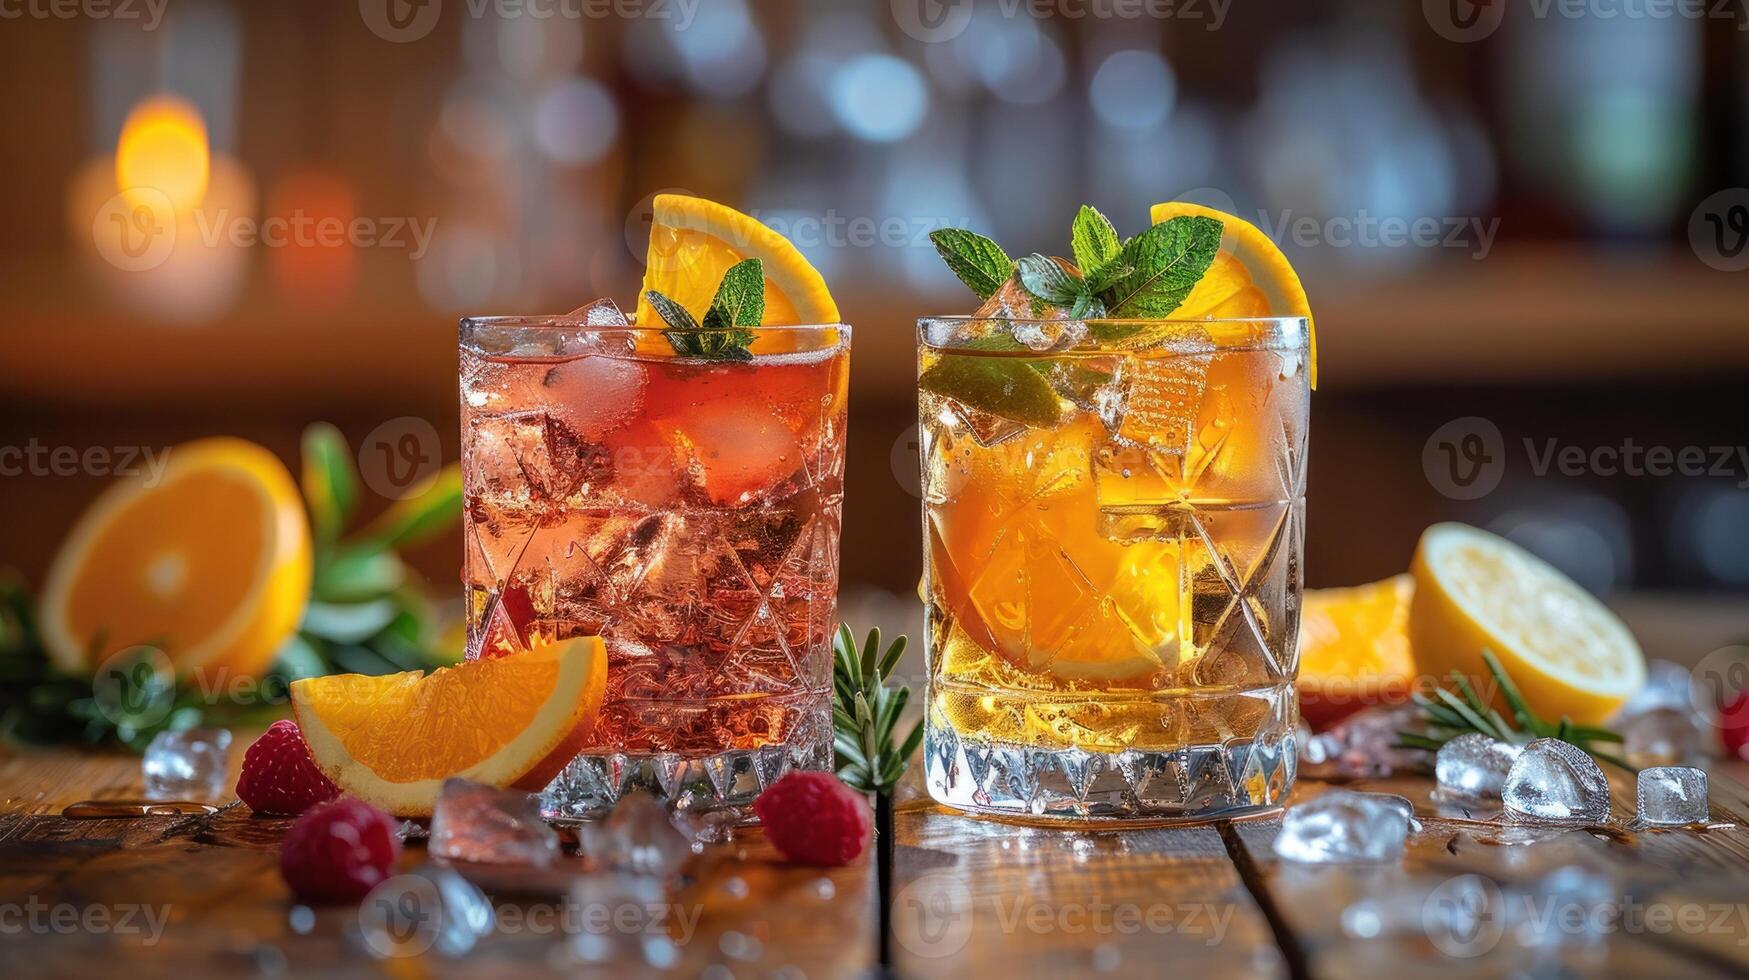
(879, 97)
(163, 147)
(1133, 90)
(576, 122)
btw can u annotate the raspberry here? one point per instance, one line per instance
(279, 776)
(339, 851)
(1734, 726)
(812, 818)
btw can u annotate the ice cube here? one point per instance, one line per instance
(1474, 765)
(638, 837)
(621, 918)
(192, 764)
(1672, 795)
(739, 449)
(476, 822)
(597, 394)
(1667, 686)
(1364, 744)
(1011, 301)
(1344, 827)
(1557, 782)
(601, 313)
(1665, 736)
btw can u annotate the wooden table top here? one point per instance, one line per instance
(197, 897)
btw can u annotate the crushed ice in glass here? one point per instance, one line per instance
(1344, 827)
(1474, 765)
(639, 836)
(192, 764)
(1672, 795)
(475, 822)
(601, 313)
(1557, 782)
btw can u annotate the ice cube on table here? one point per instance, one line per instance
(1363, 745)
(431, 908)
(1665, 736)
(638, 836)
(1667, 686)
(476, 822)
(1672, 795)
(1474, 765)
(616, 924)
(1557, 782)
(1344, 827)
(191, 764)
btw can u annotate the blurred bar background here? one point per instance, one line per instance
(1534, 221)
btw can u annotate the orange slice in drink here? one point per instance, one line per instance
(694, 241)
(209, 560)
(506, 721)
(1354, 649)
(1249, 277)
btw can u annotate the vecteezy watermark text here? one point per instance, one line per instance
(35, 459)
(1366, 230)
(933, 21)
(1473, 20)
(148, 13)
(1465, 459)
(402, 21)
(36, 917)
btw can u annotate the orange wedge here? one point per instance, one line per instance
(1566, 652)
(1354, 649)
(694, 241)
(209, 560)
(1249, 277)
(505, 721)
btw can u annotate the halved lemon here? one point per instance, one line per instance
(1249, 277)
(209, 560)
(1354, 648)
(694, 241)
(505, 721)
(1567, 653)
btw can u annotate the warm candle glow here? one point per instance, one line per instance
(163, 146)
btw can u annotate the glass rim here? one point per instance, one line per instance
(1182, 335)
(568, 322)
(1184, 321)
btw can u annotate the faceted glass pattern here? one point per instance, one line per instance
(686, 510)
(1113, 596)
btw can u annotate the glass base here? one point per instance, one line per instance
(1194, 782)
(729, 781)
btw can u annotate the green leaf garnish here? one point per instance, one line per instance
(865, 713)
(739, 303)
(1041, 276)
(978, 262)
(1092, 240)
(1167, 261)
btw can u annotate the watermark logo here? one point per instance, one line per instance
(35, 917)
(401, 917)
(1463, 21)
(932, 21)
(907, 461)
(135, 230)
(1721, 677)
(1465, 458)
(1462, 916)
(1718, 230)
(135, 687)
(145, 463)
(932, 915)
(148, 13)
(398, 456)
(400, 21)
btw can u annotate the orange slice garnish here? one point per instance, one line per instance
(515, 721)
(1250, 277)
(694, 241)
(208, 560)
(1354, 648)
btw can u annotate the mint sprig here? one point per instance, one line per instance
(1167, 261)
(978, 262)
(1092, 240)
(739, 303)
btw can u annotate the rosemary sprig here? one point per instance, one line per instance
(1461, 710)
(866, 710)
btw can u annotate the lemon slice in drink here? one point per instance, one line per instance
(694, 241)
(1249, 276)
(1567, 653)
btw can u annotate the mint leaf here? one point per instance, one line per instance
(1102, 278)
(1168, 261)
(1041, 276)
(740, 299)
(1092, 239)
(672, 313)
(978, 262)
(1086, 305)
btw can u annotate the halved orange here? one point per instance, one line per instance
(1354, 649)
(694, 241)
(1249, 277)
(209, 560)
(514, 721)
